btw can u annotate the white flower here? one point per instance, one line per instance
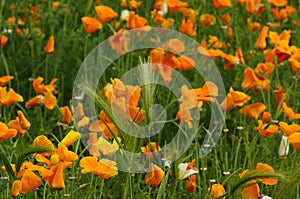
(183, 172)
(164, 9)
(284, 146)
(266, 197)
(124, 14)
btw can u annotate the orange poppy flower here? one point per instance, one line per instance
(252, 81)
(158, 5)
(6, 132)
(252, 26)
(191, 184)
(222, 4)
(215, 42)
(49, 48)
(261, 43)
(275, 38)
(187, 63)
(289, 112)
(167, 23)
(49, 100)
(208, 89)
(157, 18)
(107, 148)
(229, 60)
(289, 129)
(29, 180)
(282, 51)
(278, 3)
(265, 69)
(188, 98)
(104, 117)
(280, 96)
(254, 7)
(16, 188)
(60, 159)
(283, 13)
(269, 55)
(148, 149)
(265, 168)
(105, 13)
(3, 40)
(91, 24)
(41, 88)
(56, 180)
(100, 126)
(186, 27)
(55, 4)
(5, 79)
(295, 62)
(67, 115)
(207, 20)
(104, 168)
(251, 191)
(265, 130)
(133, 4)
(36, 101)
(120, 41)
(21, 124)
(172, 61)
(43, 141)
(135, 21)
(253, 110)
(266, 116)
(184, 115)
(157, 57)
(175, 5)
(174, 46)
(92, 141)
(212, 53)
(217, 190)
(294, 139)
(234, 99)
(154, 176)
(10, 97)
(70, 138)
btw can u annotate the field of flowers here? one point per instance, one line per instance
(150, 99)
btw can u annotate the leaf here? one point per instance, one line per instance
(21, 157)
(8, 167)
(162, 186)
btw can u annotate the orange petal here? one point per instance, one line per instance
(88, 164)
(253, 110)
(154, 176)
(106, 169)
(91, 24)
(36, 101)
(191, 184)
(64, 154)
(294, 139)
(67, 115)
(50, 100)
(5, 79)
(105, 13)
(70, 138)
(30, 181)
(6, 133)
(16, 188)
(49, 48)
